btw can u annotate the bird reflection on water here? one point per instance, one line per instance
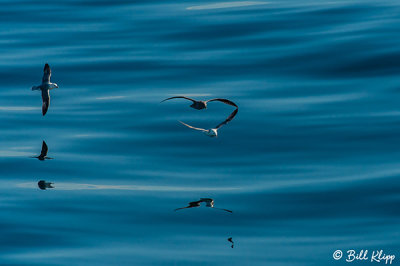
(83, 186)
(208, 201)
(43, 185)
(43, 153)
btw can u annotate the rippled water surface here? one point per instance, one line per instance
(309, 165)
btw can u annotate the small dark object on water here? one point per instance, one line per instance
(44, 185)
(230, 240)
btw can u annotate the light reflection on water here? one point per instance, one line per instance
(73, 186)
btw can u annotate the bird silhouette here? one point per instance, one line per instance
(208, 201)
(230, 240)
(44, 185)
(43, 153)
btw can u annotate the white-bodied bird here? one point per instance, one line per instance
(45, 87)
(213, 132)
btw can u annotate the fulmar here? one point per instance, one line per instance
(45, 87)
(201, 104)
(213, 132)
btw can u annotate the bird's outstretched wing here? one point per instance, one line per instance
(46, 101)
(230, 117)
(176, 97)
(192, 204)
(196, 128)
(223, 209)
(44, 149)
(226, 101)
(183, 208)
(46, 74)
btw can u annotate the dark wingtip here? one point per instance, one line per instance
(44, 110)
(167, 99)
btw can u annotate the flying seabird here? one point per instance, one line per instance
(45, 87)
(209, 203)
(43, 184)
(230, 240)
(43, 153)
(213, 132)
(201, 104)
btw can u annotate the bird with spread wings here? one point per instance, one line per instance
(213, 132)
(45, 87)
(201, 104)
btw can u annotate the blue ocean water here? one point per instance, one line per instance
(309, 165)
